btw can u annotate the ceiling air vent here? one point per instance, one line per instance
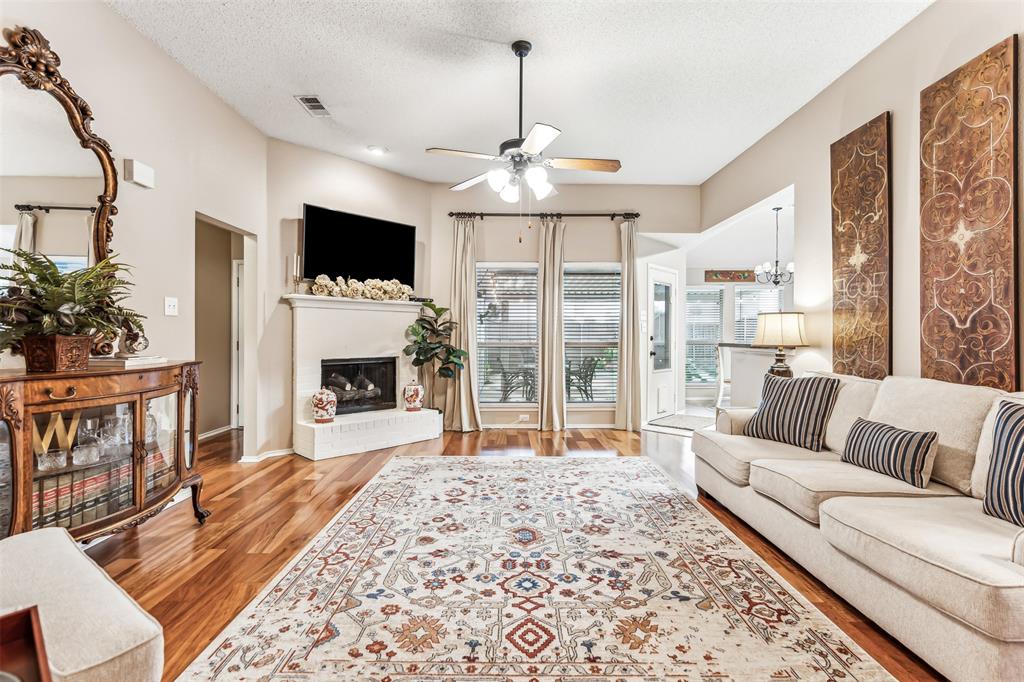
(313, 105)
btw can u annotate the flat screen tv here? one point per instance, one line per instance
(340, 244)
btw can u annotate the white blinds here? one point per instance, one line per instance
(703, 333)
(506, 319)
(749, 302)
(592, 313)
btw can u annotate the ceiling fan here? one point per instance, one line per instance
(522, 158)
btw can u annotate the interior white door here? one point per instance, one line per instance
(237, 353)
(662, 359)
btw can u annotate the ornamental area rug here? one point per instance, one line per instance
(513, 569)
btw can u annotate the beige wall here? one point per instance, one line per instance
(297, 175)
(797, 152)
(63, 233)
(663, 208)
(207, 157)
(213, 324)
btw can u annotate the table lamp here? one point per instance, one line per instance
(780, 331)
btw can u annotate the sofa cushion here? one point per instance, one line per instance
(794, 411)
(731, 455)
(954, 411)
(1004, 494)
(889, 450)
(855, 397)
(979, 476)
(943, 550)
(801, 486)
(94, 632)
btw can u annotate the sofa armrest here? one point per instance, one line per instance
(1018, 549)
(733, 420)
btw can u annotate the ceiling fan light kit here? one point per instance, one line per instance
(522, 158)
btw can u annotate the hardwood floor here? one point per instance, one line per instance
(195, 579)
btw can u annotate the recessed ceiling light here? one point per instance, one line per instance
(376, 150)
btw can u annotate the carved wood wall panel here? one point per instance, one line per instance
(968, 222)
(862, 251)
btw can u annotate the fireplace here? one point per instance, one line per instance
(361, 384)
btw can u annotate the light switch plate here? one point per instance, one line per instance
(170, 306)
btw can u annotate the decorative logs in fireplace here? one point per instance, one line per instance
(361, 384)
(359, 388)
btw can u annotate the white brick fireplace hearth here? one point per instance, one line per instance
(324, 328)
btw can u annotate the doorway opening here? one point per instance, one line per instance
(722, 300)
(223, 309)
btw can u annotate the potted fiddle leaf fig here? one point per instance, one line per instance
(429, 346)
(54, 317)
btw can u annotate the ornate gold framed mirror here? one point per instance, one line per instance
(40, 159)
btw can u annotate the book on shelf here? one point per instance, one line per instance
(126, 363)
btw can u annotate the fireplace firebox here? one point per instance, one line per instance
(361, 384)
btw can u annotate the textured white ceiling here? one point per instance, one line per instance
(674, 89)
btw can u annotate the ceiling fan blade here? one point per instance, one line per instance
(466, 184)
(459, 152)
(539, 137)
(603, 165)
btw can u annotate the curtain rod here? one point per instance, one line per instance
(47, 209)
(477, 214)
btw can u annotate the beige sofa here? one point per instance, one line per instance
(93, 631)
(927, 565)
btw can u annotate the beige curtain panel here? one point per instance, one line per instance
(461, 403)
(551, 365)
(627, 402)
(25, 234)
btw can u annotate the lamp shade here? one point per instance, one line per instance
(780, 329)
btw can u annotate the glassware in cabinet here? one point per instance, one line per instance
(82, 464)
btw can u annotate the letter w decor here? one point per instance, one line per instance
(968, 222)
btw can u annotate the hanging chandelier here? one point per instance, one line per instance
(774, 274)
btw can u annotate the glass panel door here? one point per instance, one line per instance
(189, 426)
(661, 326)
(82, 464)
(6, 479)
(160, 442)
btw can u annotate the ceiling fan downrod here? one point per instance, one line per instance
(521, 48)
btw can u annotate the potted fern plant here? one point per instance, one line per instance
(53, 318)
(429, 346)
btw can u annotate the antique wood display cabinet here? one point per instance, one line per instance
(98, 451)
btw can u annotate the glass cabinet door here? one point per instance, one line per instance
(6, 479)
(160, 442)
(188, 414)
(82, 464)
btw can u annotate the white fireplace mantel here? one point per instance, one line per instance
(338, 303)
(326, 327)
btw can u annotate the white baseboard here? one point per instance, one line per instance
(535, 426)
(215, 432)
(515, 425)
(249, 459)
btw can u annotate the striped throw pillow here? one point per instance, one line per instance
(902, 454)
(794, 411)
(1004, 491)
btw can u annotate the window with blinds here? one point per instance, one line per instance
(591, 314)
(703, 333)
(749, 302)
(506, 333)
